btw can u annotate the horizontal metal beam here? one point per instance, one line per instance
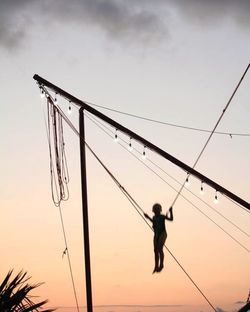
(143, 141)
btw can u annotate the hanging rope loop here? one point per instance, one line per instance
(59, 175)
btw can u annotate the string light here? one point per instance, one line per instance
(130, 147)
(70, 108)
(144, 156)
(216, 197)
(42, 93)
(202, 189)
(116, 139)
(187, 183)
(55, 101)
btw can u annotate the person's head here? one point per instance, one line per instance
(156, 209)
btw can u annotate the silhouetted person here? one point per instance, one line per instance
(160, 233)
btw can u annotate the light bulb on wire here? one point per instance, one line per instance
(144, 156)
(202, 189)
(42, 93)
(187, 183)
(216, 197)
(116, 139)
(130, 147)
(55, 100)
(69, 108)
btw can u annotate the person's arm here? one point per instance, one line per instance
(169, 214)
(148, 217)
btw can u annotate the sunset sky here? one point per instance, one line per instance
(172, 61)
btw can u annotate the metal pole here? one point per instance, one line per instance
(85, 211)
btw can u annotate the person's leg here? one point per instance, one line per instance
(156, 268)
(156, 253)
(161, 243)
(161, 260)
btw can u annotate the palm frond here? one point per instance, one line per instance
(15, 294)
(5, 281)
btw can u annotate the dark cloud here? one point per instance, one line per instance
(120, 20)
(212, 12)
(13, 22)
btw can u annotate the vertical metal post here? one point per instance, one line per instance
(85, 211)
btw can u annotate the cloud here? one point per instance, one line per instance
(118, 19)
(139, 21)
(214, 11)
(13, 27)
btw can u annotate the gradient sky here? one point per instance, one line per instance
(173, 61)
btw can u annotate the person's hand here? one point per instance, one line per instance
(146, 215)
(170, 209)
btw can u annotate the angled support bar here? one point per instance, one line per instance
(143, 141)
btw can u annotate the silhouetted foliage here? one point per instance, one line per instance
(15, 294)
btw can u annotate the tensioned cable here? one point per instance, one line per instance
(245, 209)
(181, 184)
(135, 204)
(231, 134)
(216, 125)
(232, 223)
(189, 201)
(202, 211)
(213, 132)
(99, 124)
(65, 177)
(68, 257)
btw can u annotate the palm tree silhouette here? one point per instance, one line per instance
(15, 294)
